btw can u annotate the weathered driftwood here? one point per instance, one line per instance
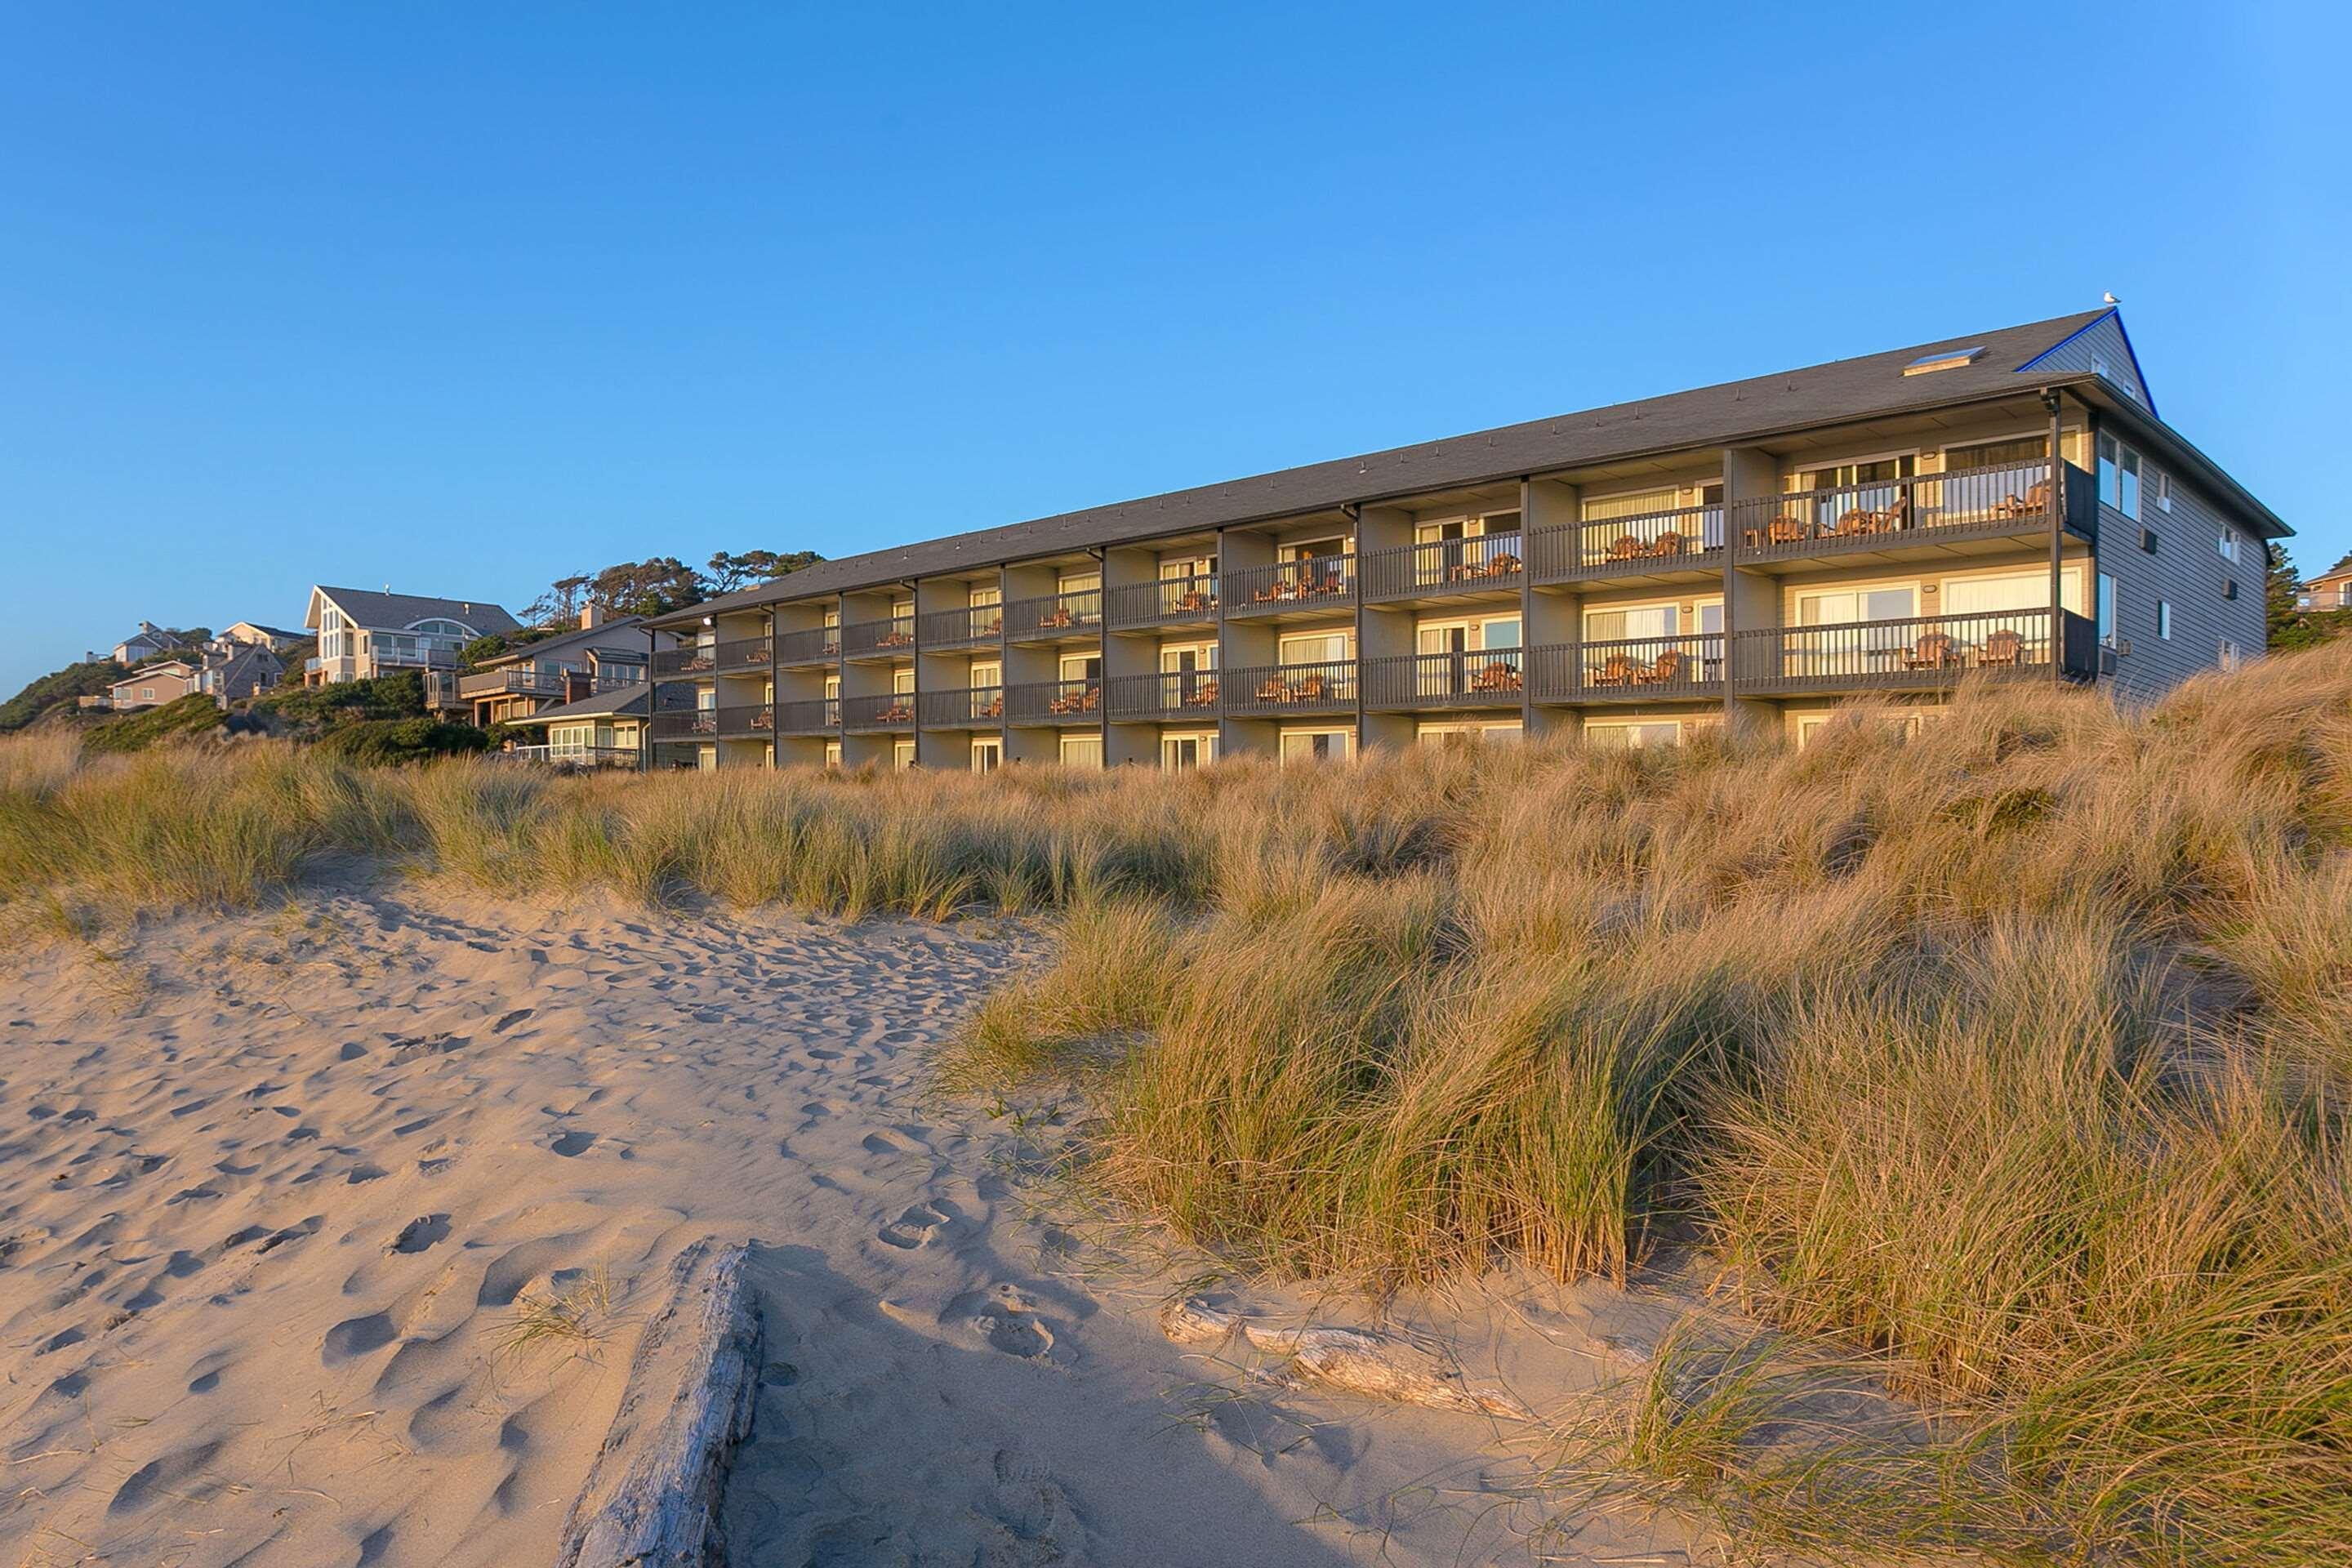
(1348, 1359)
(653, 1495)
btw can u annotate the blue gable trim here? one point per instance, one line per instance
(2113, 314)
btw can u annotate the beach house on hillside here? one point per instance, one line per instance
(2005, 504)
(144, 644)
(363, 634)
(152, 685)
(2331, 590)
(253, 634)
(603, 729)
(602, 654)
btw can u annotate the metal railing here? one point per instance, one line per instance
(963, 706)
(1494, 678)
(1910, 652)
(1053, 702)
(2007, 498)
(1053, 615)
(524, 682)
(810, 645)
(691, 659)
(1327, 581)
(808, 716)
(961, 627)
(1626, 668)
(687, 724)
(1680, 536)
(1170, 694)
(746, 718)
(573, 754)
(1171, 601)
(1445, 566)
(1290, 687)
(879, 710)
(894, 634)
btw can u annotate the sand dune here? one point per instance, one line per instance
(277, 1190)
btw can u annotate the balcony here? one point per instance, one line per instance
(1170, 601)
(1055, 617)
(1173, 694)
(1424, 680)
(1630, 669)
(1445, 568)
(809, 716)
(1884, 516)
(515, 682)
(573, 755)
(687, 724)
(812, 645)
(1327, 583)
(1655, 544)
(690, 661)
(870, 640)
(963, 708)
(1275, 690)
(879, 711)
(971, 625)
(1918, 653)
(738, 719)
(1055, 702)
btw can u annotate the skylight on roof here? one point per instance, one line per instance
(1944, 359)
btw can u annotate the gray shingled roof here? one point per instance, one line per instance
(393, 611)
(1870, 386)
(627, 700)
(626, 633)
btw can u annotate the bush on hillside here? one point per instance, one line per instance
(91, 678)
(194, 714)
(384, 743)
(308, 711)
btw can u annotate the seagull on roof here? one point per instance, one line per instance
(2109, 298)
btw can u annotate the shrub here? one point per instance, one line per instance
(384, 743)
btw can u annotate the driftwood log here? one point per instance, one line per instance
(653, 1495)
(1349, 1360)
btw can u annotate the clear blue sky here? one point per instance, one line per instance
(462, 297)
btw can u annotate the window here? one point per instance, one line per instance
(1314, 549)
(1178, 753)
(1082, 667)
(987, 672)
(2163, 491)
(987, 756)
(1085, 580)
(1185, 658)
(2017, 453)
(2164, 619)
(1633, 737)
(902, 682)
(1441, 733)
(1082, 752)
(2119, 471)
(2106, 610)
(1317, 745)
(2233, 654)
(2229, 544)
(902, 754)
(986, 593)
(832, 753)
(1317, 648)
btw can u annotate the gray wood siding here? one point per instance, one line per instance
(2101, 342)
(2188, 571)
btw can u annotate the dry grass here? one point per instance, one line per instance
(2012, 1059)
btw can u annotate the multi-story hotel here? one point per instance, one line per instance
(2003, 506)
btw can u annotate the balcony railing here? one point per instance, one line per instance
(523, 683)
(1171, 694)
(896, 634)
(964, 707)
(1911, 653)
(747, 719)
(1629, 669)
(1053, 615)
(1279, 689)
(1053, 702)
(879, 710)
(1445, 566)
(1494, 679)
(691, 659)
(959, 627)
(1326, 582)
(743, 655)
(2010, 498)
(687, 724)
(810, 645)
(1680, 537)
(572, 755)
(808, 716)
(1171, 601)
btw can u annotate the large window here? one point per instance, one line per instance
(987, 756)
(1082, 752)
(1317, 745)
(1317, 648)
(1178, 753)
(2119, 475)
(1633, 736)
(2106, 610)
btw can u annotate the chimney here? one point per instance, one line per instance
(591, 615)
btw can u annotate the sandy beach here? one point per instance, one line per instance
(280, 1188)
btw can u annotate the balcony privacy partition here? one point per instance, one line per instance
(1324, 582)
(894, 634)
(1172, 694)
(1053, 702)
(1271, 690)
(2006, 499)
(967, 625)
(960, 708)
(879, 711)
(1484, 563)
(1053, 615)
(1171, 601)
(1467, 679)
(1679, 537)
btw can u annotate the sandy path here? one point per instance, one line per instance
(272, 1192)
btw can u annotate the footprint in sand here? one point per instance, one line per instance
(1007, 1320)
(916, 1226)
(572, 1144)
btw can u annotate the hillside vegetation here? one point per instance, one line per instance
(2011, 1057)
